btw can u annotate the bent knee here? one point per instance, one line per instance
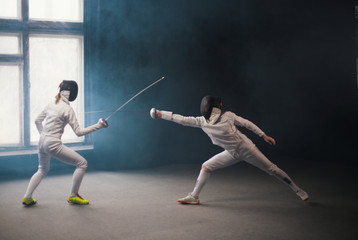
(43, 171)
(205, 168)
(82, 164)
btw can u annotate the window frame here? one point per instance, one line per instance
(24, 27)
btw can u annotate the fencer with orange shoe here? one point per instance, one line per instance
(222, 129)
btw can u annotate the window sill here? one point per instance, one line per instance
(33, 150)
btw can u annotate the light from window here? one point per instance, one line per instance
(9, 44)
(56, 10)
(34, 58)
(10, 9)
(53, 59)
(10, 106)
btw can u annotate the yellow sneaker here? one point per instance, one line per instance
(28, 201)
(77, 200)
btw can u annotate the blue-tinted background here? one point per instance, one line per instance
(288, 66)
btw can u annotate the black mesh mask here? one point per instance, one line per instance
(71, 86)
(207, 104)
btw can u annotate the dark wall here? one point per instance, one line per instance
(287, 66)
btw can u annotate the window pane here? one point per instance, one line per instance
(53, 59)
(10, 107)
(56, 10)
(10, 9)
(9, 44)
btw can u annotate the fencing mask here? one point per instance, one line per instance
(207, 104)
(71, 86)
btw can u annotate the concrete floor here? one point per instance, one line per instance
(239, 202)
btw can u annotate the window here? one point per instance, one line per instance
(10, 9)
(11, 126)
(41, 44)
(56, 10)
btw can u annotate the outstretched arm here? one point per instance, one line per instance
(186, 121)
(159, 113)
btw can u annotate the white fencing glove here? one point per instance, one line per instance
(153, 113)
(103, 123)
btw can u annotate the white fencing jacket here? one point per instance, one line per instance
(223, 133)
(57, 116)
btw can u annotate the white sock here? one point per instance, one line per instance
(283, 177)
(200, 182)
(76, 180)
(34, 182)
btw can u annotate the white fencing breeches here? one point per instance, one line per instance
(53, 147)
(252, 156)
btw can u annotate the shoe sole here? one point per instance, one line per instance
(28, 204)
(191, 203)
(69, 201)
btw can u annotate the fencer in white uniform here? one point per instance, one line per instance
(56, 115)
(221, 128)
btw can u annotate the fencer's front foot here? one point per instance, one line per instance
(189, 200)
(302, 194)
(28, 201)
(154, 113)
(103, 122)
(77, 200)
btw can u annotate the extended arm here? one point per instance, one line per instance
(186, 121)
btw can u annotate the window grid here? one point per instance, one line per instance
(25, 27)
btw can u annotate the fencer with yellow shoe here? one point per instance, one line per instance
(56, 115)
